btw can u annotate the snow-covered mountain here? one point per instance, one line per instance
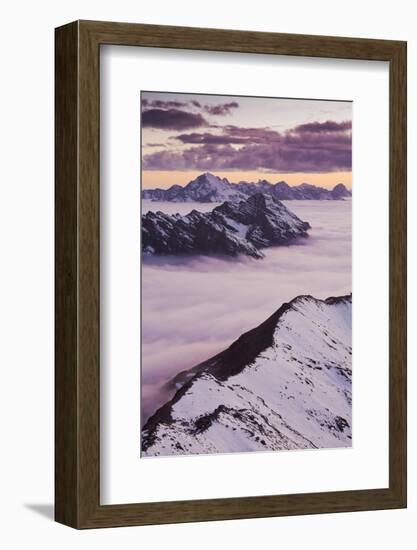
(306, 191)
(210, 188)
(205, 188)
(232, 228)
(286, 384)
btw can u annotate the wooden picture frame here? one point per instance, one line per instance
(77, 405)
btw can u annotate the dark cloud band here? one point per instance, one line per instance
(161, 104)
(329, 126)
(172, 119)
(221, 109)
(313, 147)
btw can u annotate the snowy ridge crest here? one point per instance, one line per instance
(286, 384)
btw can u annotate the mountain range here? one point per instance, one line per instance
(234, 227)
(210, 188)
(286, 384)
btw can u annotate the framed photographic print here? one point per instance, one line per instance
(230, 274)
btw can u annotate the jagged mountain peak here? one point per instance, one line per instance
(208, 179)
(341, 191)
(233, 228)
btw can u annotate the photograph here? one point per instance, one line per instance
(246, 211)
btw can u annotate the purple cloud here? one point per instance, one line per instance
(274, 157)
(324, 127)
(316, 141)
(231, 134)
(155, 144)
(253, 135)
(312, 147)
(160, 104)
(171, 119)
(221, 109)
(206, 137)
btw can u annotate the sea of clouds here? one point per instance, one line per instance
(194, 308)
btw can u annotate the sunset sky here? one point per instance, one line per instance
(245, 138)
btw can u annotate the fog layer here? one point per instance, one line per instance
(193, 308)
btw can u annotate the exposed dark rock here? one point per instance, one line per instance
(245, 227)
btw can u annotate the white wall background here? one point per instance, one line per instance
(26, 286)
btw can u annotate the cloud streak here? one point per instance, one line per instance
(324, 127)
(175, 115)
(232, 134)
(221, 109)
(163, 104)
